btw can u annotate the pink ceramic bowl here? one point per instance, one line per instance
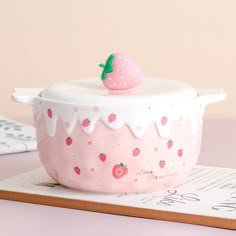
(142, 140)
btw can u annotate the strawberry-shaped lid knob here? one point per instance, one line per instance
(121, 72)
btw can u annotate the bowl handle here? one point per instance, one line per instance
(208, 96)
(25, 95)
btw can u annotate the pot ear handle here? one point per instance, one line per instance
(208, 96)
(25, 95)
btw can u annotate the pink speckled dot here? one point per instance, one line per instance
(96, 108)
(139, 127)
(89, 142)
(67, 124)
(181, 119)
(76, 109)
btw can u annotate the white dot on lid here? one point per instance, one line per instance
(114, 84)
(120, 57)
(129, 73)
(122, 64)
(121, 76)
(136, 80)
(125, 84)
(136, 71)
(129, 62)
(118, 70)
(109, 78)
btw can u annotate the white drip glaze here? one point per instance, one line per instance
(137, 118)
(77, 100)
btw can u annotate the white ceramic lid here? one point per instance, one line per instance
(90, 90)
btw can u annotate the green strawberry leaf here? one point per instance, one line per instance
(122, 164)
(108, 67)
(102, 65)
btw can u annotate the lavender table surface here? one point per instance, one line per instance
(218, 149)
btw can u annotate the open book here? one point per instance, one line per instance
(208, 197)
(16, 136)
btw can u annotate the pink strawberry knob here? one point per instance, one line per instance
(120, 72)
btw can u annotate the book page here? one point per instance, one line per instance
(16, 136)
